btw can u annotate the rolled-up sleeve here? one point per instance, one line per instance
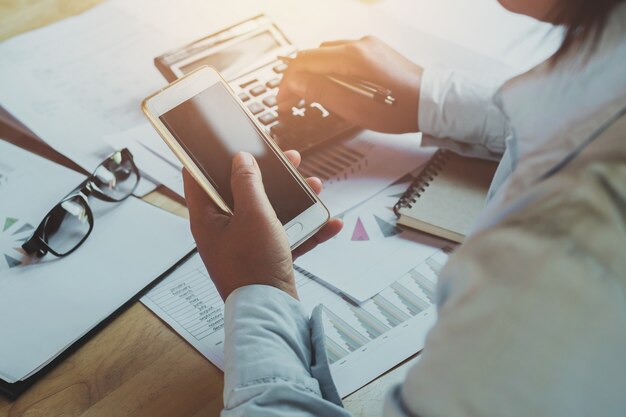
(459, 114)
(275, 358)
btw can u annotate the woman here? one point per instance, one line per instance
(532, 308)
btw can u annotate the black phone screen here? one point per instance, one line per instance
(212, 127)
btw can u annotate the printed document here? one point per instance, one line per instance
(362, 342)
(371, 252)
(352, 171)
(78, 81)
(47, 304)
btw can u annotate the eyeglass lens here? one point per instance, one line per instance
(116, 177)
(67, 225)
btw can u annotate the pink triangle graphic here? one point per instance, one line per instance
(359, 234)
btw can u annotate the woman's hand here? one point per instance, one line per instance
(368, 59)
(250, 247)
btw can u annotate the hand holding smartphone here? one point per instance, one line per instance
(205, 125)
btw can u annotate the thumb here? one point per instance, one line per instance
(247, 185)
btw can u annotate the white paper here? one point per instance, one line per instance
(362, 342)
(148, 156)
(370, 252)
(82, 78)
(480, 25)
(371, 170)
(355, 170)
(29, 187)
(79, 80)
(47, 306)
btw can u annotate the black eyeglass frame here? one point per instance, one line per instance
(37, 243)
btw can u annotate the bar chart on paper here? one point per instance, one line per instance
(349, 328)
(335, 164)
(362, 341)
(355, 170)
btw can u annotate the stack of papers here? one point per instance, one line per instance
(48, 304)
(371, 252)
(375, 281)
(362, 341)
(78, 85)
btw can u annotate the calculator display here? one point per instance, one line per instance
(212, 127)
(237, 55)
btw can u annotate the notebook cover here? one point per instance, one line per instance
(448, 196)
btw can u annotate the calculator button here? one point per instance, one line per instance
(280, 68)
(248, 83)
(273, 83)
(243, 97)
(268, 118)
(258, 90)
(269, 101)
(255, 108)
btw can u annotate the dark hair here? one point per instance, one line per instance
(583, 21)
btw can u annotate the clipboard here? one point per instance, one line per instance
(13, 390)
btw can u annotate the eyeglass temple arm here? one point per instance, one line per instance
(35, 243)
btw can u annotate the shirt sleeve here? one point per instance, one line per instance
(461, 115)
(275, 362)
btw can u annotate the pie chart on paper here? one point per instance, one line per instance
(13, 233)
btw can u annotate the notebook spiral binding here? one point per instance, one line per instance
(418, 186)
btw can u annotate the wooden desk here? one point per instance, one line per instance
(137, 365)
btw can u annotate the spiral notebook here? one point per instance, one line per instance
(447, 196)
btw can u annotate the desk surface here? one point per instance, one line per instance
(137, 365)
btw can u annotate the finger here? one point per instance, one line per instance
(328, 60)
(321, 61)
(331, 229)
(338, 42)
(294, 157)
(315, 184)
(335, 98)
(247, 187)
(286, 99)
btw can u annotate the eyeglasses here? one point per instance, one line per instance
(70, 222)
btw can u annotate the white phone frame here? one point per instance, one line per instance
(300, 228)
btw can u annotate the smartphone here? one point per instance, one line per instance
(205, 124)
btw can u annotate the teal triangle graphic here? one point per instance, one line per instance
(24, 228)
(8, 222)
(12, 262)
(387, 228)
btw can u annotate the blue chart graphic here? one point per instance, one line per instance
(350, 327)
(333, 164)
(392, 314)
(13, 233)
(411, 301)
(426, 285)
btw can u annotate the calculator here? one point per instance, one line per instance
(246, 56)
